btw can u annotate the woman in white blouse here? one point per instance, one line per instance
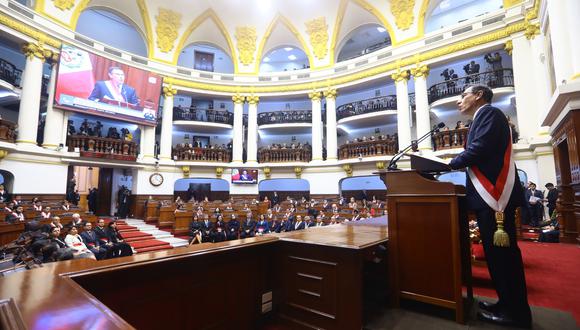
(74, 241)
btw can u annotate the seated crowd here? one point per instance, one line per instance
(217, 222)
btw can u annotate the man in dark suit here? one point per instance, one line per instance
(206, 230)
(233, 227)
(552, 198)
(248, 227)
(275, 198)
(534, 203)
(493, 193)
(93, 243)
(114, 89)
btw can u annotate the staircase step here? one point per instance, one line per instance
(148, 243)
(133, 234)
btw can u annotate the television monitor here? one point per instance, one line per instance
(243, 175)
(99, 86)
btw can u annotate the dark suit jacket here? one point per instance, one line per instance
(101, 234)
(90, 239)
(487, 140)
(100, 91)
(552, 197)
(537, 194)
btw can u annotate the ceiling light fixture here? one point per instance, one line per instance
(292, 57)
(288, 49)
(381, 29)
(266, 59)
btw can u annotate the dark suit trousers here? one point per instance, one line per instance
(505, 264)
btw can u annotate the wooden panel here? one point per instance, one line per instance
(138, 202)
(105, 191)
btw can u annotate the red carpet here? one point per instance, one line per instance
(552, 273)
(150, 245)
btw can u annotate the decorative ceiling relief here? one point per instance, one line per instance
(64, 4)
(246, 36)
(168, 23)
(317, 29)
(403, 12)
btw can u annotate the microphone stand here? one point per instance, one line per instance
(414, 145)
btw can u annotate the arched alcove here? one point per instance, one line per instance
(205, 57)
(364, 39)
(284, 58)
(361, 186)
(114, 29)
(295, 188)
(199, 188)
(7, 180)
(443, 13)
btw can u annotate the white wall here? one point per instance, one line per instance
(222, 62)
(466, 9)
(35, 175)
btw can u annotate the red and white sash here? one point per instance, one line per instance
(496, 196)
(115, 92)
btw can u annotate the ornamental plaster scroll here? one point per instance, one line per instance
(246, 37)
(64, 4)
(317, 29)
(403, 12)
(168, 24)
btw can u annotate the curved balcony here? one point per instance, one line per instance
(203, 115)
(386, 146)
(449, 139)
(105, 148)
(285, 117)
(375, 104)
(183, 152)
(454, 87)
(284, 155)
(7, 131)
(9, 73)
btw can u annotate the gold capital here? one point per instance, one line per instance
(347, 169)
(238, 99)
(509, 47)
(314, 96)
(31, 50)
(400, 75)
(298, 171)
(185, 170)
(218, 172)
(532, 30)
(380, 165)
(421, 70)
(253, 99)
(169, 91)
(3, 153)
(268, 172)
(330, 93)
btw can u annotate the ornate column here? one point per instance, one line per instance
(316, 126)
(31, 89)
(53, 122)
(561, 44)
(238, 133)
(573, 24)
(167, 123)
(331, 144)
(148, 142)
(252, 143)
(420, 74)
(403, 112)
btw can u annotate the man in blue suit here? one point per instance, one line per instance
(114, 89)
(493, 193)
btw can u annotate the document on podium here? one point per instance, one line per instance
(429, 163)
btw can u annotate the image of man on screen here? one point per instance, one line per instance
(246, 176)
(114, 89)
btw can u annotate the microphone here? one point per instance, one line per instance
(414, 145)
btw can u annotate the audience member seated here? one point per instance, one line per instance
(299, 224)
(262, 227)
(308, 222)
(58, 249)
(551, 232)
(37, 205)
(4, 195)
(195, 231)
(248, 226)
(120, 248)
(45, 214)
(76, 221)
(65, 205)
(93, 243)
(74, 241)
(55, 223)
(16, 216)
(319, 222)
(233, 227)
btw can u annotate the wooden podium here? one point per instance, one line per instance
(428, 241)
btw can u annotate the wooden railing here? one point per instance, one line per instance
(454, 87)
(450, 139)
(7, 131)
(375, 104)
(205, 115)
(388, 146)
(284, 117)
(284, 155)
(187, 153)
(99, 147)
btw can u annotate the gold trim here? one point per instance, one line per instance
(29, 31)
(26, 141)
(378, 14)
(142, 5)
(511, 3)
(574, 77)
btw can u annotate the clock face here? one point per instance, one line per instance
(156, 179)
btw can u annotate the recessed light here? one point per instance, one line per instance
(288, 49)
(266, 59)
(381, 29)
(292, 57)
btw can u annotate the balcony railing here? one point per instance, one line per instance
(386, 146)
(284, 155)
(204, 115)
(190, 153)
(9, 73)
(454, 87)
(450, 139)
(285, 117)
(7, 131)
(99, 147)
(367, 106)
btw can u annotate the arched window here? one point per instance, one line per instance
(363, 187)
(205, 57)
(112, 29)
(363, 40)
(198, 189)
(284, 58)
(444, 13)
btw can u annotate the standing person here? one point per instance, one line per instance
(92, 199)
(114, 89)
(493, 193)
(534, 200)
(123, 202)
(552, 197)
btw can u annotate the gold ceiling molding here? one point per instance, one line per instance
(64, 4)
(511, 3)
(317, 29)
(421, 70)
(142, 5)
(27, 30)
(314, 96)
(168, 24)
(532, 30)
(403, 12)
(31, 50)
(246, 37)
